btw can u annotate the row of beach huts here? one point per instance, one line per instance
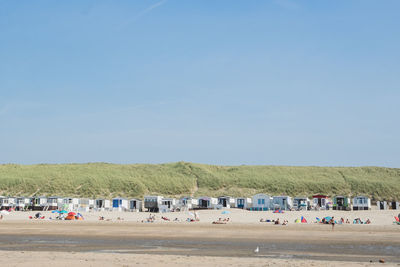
(259, 202)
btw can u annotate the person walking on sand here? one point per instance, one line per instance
(332, 221)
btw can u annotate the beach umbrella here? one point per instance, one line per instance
(55, 211)
(63, 211)
(225, 212)
(71, 213)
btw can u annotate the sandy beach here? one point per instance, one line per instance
(129, 242)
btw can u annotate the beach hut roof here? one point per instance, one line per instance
(320, 196)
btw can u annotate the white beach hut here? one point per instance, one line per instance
(54, 203)
(208, 202)
(23, 203)
(86, 204)
(7, 203)
(382, 205)
(120, 204)
(261, 202)
(226, 202)
(102, 204)
(39, 203)
(168, 204)
(394, 205)
(152, 203)
(135, 205)
(243, 203)
(301, 203)
(282, 202)
(188, 203)
(361, 203)
(70, 204)
(320, 202)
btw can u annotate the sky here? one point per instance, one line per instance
(276, 82)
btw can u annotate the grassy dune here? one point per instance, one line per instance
(177, 179)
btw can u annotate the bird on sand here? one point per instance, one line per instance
(257, 250)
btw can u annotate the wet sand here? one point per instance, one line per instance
(295, 243)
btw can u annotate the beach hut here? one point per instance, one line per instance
(188, 203)
(341, 203)
(361, 203)
(168, 204)
(282, 202)
(301, 203)
(320, 202)
(135, 204)
(102, 204)
(152, 203)
(207, 202)
(119, 204)
(243, 203)
(382, 205)
(23, 203)
(70, 204)
(86, 204)
(54, 203)
(7, 203)
(226, 202)
(261, 202)
(394, 205)
(38, 203)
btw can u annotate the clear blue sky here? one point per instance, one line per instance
(220, 82)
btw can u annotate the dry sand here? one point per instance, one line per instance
(378, 217)
(19, 259)
(129, 242)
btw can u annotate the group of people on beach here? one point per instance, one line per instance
(221, 221)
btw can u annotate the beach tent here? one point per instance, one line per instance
(303, 220)
(70, 218)
(278, 211)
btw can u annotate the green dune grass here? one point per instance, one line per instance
(179, 179)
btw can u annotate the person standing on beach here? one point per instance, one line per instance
(332, 221)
